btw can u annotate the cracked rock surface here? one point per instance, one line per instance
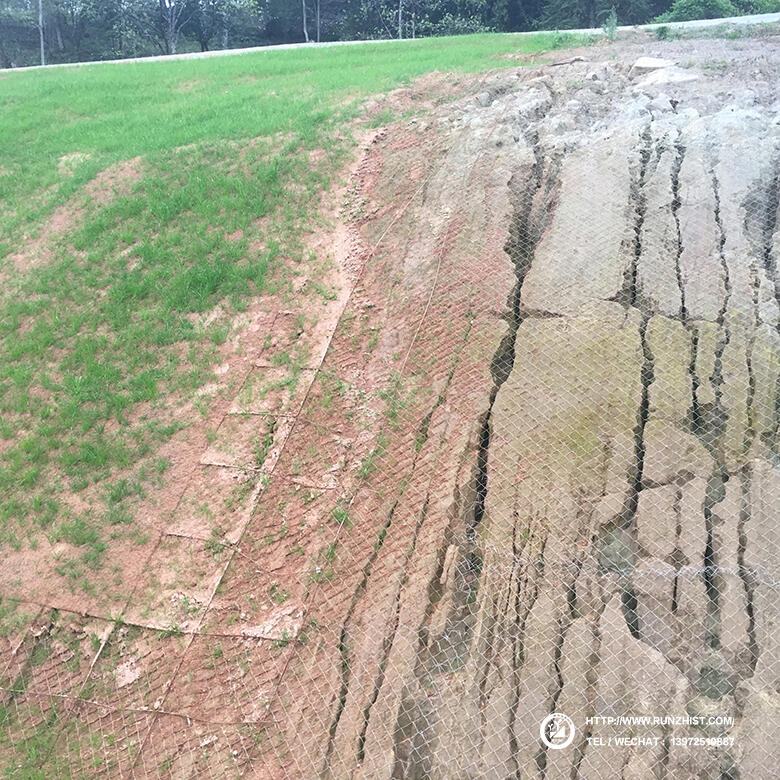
(587, 517)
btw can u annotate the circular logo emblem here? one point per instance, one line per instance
(557, 731)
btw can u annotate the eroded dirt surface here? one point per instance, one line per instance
(532, 468)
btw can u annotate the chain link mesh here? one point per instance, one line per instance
(534, 475)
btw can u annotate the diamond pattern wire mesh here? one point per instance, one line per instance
(559, 496)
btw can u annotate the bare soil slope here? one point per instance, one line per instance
(532, 469)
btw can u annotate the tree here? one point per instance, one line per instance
(40, 32)
(72, 22)
(568, 14)
(18, 33)
(103, 29)
(172, 19)
(684, 10)
(160, 22)
(210, 19)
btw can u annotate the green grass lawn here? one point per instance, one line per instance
(106, 324)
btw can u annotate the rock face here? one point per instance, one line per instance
(568, 273)
(615, 576)
(586, 518)
(680, 624)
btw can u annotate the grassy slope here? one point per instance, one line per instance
(106, 324)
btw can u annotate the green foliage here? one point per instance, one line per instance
(564, 40)
(685, 10)
(452, 24)
(568, 14)
(341, 516)
(611, 24)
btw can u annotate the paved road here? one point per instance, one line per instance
(195, 55)
(699, 23)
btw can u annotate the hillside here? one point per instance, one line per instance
(350, 436)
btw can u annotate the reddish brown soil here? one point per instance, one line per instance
(107, 185)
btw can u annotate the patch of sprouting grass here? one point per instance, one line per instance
(395, 399)
(323, 564)
(369, 464)
(214, 545)
(330, 386)
(142, 301)
(262, 445)
(30, 746)
(382, 118)
(277, 594)
(341, 516)
(320, 289)
(123, 489)
(12, 618)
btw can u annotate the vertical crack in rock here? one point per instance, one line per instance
(648, 374)
(519, 246)
(697, 420)
(527, 187)
(628, 596)
(714, 495)
(676, 203)
(591, 678)
(713, 429)
(564, 623)
(744, 573)
(761, 222)
(771, 259)
(722, 254)
(677, 554)
(518, 655)
(768, 311)
(386, 645)
(343, 647)
(638, 195)
(750, 429)
(523, 236)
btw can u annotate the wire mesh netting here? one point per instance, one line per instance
(520, 520)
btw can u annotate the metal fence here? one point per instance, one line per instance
(521, 518)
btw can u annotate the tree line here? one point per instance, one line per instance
(35, 31)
